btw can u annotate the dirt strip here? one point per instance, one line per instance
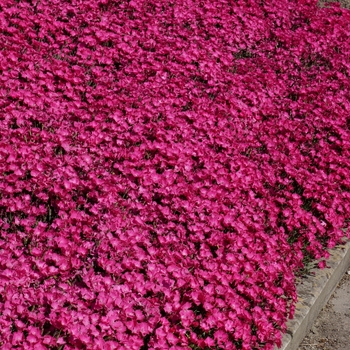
(343, 3)
(331, 330)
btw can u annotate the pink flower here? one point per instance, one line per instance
(170, 177)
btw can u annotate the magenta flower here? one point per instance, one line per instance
(167, 168)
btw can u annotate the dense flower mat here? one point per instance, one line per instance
(166, 167)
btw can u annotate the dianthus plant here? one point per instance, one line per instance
(166, 167)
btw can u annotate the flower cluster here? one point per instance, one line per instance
(165, 167)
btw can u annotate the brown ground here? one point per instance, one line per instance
(344, 3)
(331, 330)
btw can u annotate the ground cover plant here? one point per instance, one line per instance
(166, 168)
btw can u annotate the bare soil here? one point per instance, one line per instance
(343, 3)
(331, 330)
